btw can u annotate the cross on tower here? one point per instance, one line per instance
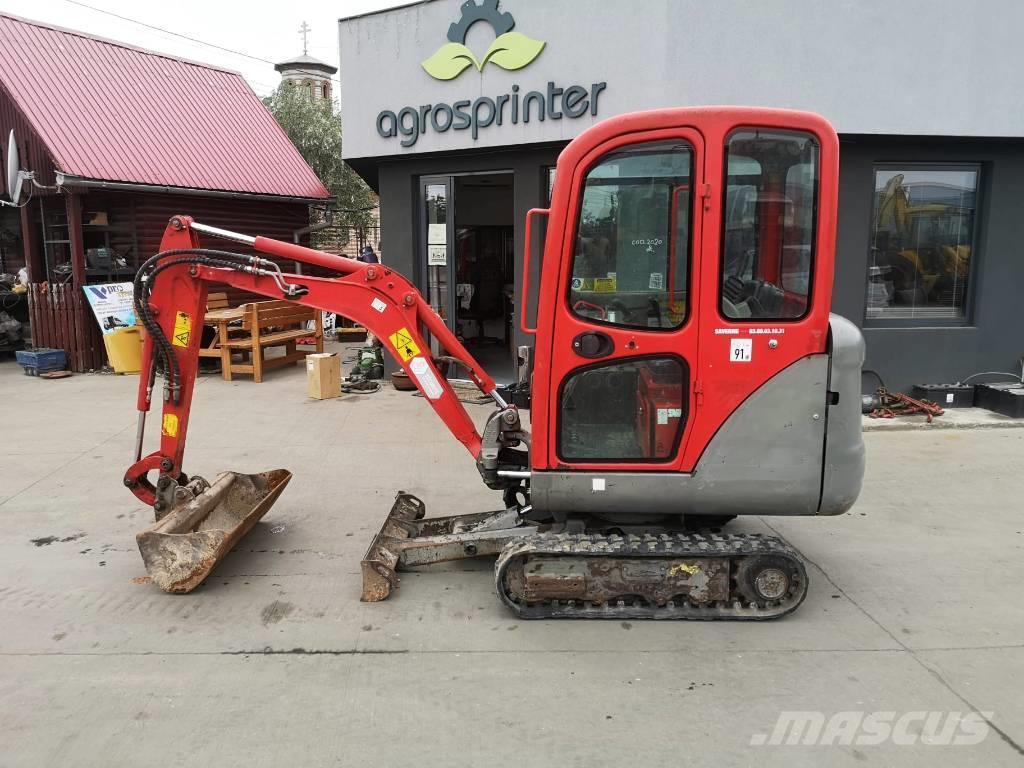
(304, 31)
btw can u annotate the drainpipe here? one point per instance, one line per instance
(298, 233)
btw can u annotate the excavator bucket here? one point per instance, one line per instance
(187, 543)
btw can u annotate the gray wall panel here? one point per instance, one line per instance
(916, 67)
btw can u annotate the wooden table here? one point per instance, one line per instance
(219, 320)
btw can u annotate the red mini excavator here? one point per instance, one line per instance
(685, 370)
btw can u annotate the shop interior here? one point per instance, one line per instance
(484, 256)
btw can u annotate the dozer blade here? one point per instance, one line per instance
(408, 539)
(185, 545)
(381, 560)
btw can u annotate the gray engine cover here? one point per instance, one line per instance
(770, 457)
(843, 472)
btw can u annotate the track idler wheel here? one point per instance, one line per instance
(769, 580)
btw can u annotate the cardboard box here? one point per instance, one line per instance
(323, 375)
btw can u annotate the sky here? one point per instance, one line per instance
(260, 30)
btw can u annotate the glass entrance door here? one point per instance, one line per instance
(466, 265)
(437, 235)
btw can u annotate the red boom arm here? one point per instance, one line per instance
(374, 296)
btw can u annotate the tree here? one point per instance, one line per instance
(314, 127)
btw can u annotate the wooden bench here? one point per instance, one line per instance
(267, 324)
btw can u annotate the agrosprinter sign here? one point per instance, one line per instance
(510, 51)
(513, 108)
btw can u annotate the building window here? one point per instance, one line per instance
(768, 224)
(922, 242)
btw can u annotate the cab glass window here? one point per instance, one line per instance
(632, 249)
(632, 410)
(768, 224)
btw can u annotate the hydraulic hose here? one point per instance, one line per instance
(143, 287)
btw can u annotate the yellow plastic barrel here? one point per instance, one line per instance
(124, 349)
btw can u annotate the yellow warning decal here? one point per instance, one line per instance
(604, 285)
(402, 341)
(170, 425)
(693, 570)
(182, 329)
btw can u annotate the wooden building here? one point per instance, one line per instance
(120, 139)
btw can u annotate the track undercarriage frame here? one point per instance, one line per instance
(564, 570)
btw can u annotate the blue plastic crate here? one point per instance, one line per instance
(36, 361)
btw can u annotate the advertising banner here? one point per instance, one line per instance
(112, 305)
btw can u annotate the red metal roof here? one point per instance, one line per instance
(109, 111)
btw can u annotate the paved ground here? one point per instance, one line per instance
(914, 606)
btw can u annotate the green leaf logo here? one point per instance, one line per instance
(450, 61)
(512, 51)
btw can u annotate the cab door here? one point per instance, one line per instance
(766, 287)
(624, 325)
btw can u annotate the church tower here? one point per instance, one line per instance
(306, 72)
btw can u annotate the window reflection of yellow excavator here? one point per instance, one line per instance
(921, 251)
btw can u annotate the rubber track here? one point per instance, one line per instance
(732, 546)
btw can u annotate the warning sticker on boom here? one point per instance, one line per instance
(182, 329)
(402, 341)
(170, 425)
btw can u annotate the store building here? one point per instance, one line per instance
(458, 129)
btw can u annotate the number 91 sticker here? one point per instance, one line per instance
(740, 350)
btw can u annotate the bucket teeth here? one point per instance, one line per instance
(187, 543)
(380, 562)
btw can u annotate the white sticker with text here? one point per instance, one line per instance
(740, 350)
(664, 414)
(421, 370)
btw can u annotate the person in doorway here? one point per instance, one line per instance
(368, 256)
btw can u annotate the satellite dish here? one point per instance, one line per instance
(14, 177)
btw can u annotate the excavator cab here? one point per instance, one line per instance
(686, 359)
(686, 369)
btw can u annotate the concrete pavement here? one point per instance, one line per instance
(913, 606)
